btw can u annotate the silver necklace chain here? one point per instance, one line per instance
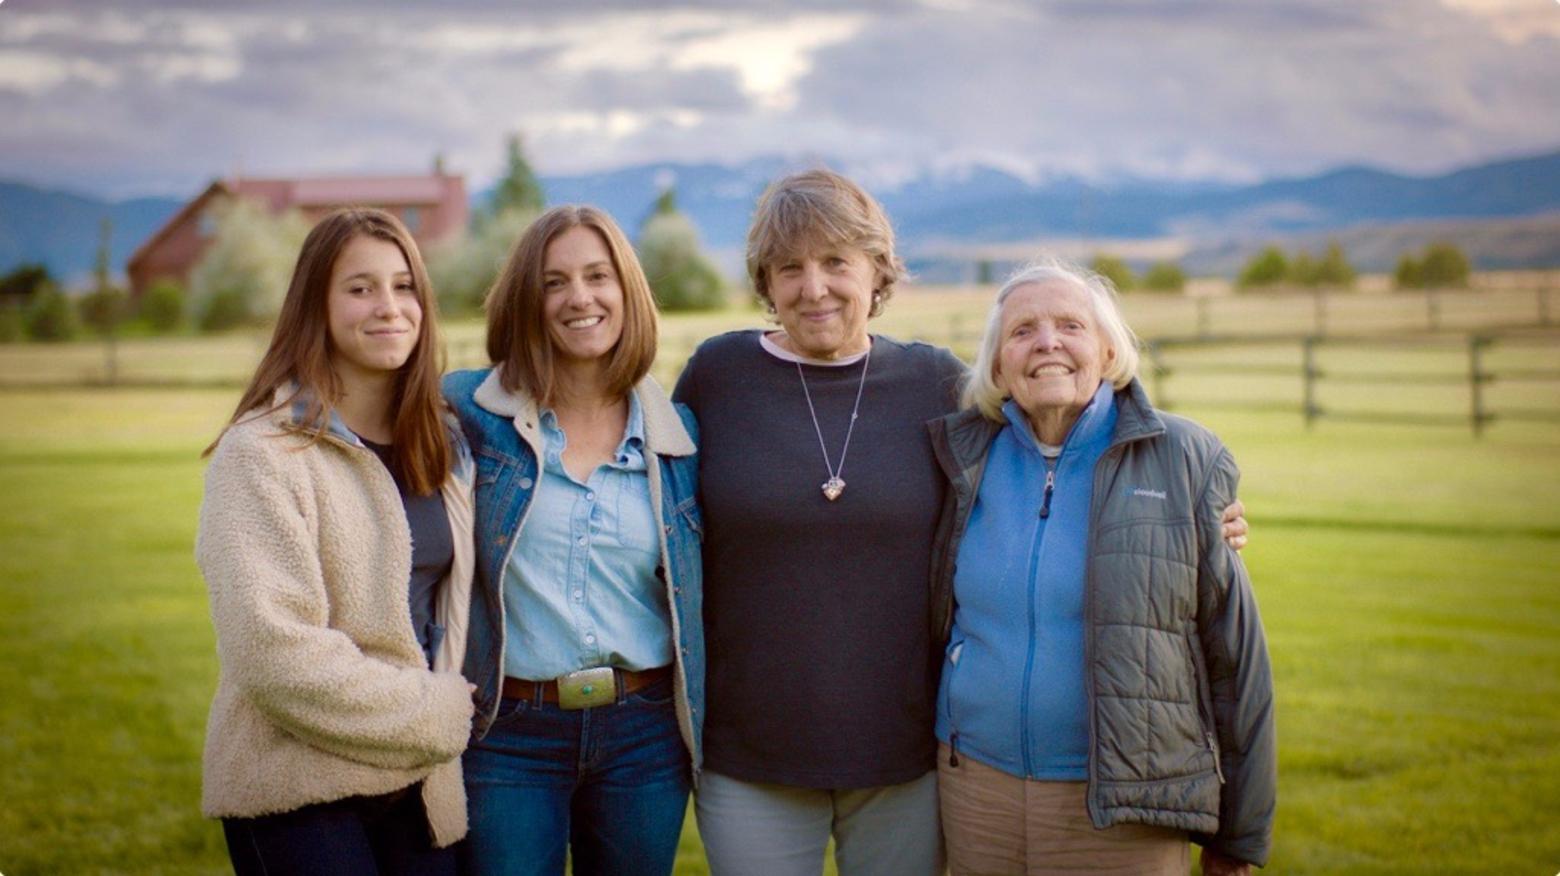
(835, 485)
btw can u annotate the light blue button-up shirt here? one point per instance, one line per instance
(580, 589)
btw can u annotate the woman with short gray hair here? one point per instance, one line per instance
(1105, 691)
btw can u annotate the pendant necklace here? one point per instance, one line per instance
(835, 485)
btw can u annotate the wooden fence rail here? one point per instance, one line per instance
(1474, 348)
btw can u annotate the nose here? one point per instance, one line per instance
(814, 284)
(386, 306)
(1047, 337)
(577, 295)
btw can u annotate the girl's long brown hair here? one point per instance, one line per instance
(300, 352)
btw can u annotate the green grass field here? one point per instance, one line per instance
(1409, 580)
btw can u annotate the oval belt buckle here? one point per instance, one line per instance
(587, 688)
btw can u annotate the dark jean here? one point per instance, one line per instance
(359, 835)
(609, 784)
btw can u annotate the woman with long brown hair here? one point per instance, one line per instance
(335, 540)
(586, 628)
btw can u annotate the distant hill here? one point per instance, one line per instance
(939, 213)
(60, 229)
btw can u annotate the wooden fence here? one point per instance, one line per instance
(1478, 371)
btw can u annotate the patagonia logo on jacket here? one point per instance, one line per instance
(1144, 492)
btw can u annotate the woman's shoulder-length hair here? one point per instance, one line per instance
(983, 393)
(517, 339)
(298, 360)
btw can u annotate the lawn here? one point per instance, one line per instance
(1409, 580)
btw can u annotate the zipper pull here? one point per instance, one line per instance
(953, 749)
(1050, 487)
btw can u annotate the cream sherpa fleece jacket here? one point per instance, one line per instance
(324, 692)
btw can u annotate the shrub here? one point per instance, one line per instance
(1164, 277)
(243, 276)
(1334, 268)
(463, 268)
(12, 326)
(226, 309)
(50, 315)
(1444, 266)
(162, 305)
(1113, 269)
(105, 309)
(679, 274)
(1267, 268)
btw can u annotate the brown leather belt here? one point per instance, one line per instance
(622, 681)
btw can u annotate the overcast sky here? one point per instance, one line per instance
(125, 98)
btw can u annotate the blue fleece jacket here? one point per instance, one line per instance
(1012, 693)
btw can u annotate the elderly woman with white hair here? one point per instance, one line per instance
(1105, 694)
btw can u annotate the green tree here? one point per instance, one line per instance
(50, 315)
(1334, 268)
(1164, 277)
(462, 268)
(679, 274)
(1113, 269)
(519, 188)
(1444, 267)
(1408, 274)
(1267, 268)
(19, 285)
(107, 306)
(242, 277)
(13, 326)
(162, 305)
(1303, 270)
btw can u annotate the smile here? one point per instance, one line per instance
(583, 322)
(1052, 370)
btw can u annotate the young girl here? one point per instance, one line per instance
(586, 633)
(335, 539)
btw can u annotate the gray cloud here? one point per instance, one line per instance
(115, 99)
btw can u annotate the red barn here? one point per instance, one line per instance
(432, 207)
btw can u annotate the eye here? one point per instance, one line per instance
(406, 288)
(836, 262)
(358, 289)
(552, 282)
(599, 276)
(788, 269)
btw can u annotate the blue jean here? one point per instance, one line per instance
(386, 834)
(609, 784)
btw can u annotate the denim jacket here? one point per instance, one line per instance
(503, 429)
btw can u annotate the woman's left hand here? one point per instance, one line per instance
(1215, 864)
(1235, 528)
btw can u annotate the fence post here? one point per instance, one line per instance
(1319, 312)
(1309, 374)
(1477, 377)
(1433, 310)
(1204, 316)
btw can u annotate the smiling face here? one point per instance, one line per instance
(582, 305)
(823, 299)
(1051, 356)
(372, 308)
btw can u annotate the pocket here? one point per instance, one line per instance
(689, 514)
(510, 711)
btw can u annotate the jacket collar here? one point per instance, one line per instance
(291, 410)
(961, 439)
(665, 434)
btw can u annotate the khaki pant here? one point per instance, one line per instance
(997, 824)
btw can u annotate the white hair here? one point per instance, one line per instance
(982, 392)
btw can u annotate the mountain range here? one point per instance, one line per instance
(945, 219)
